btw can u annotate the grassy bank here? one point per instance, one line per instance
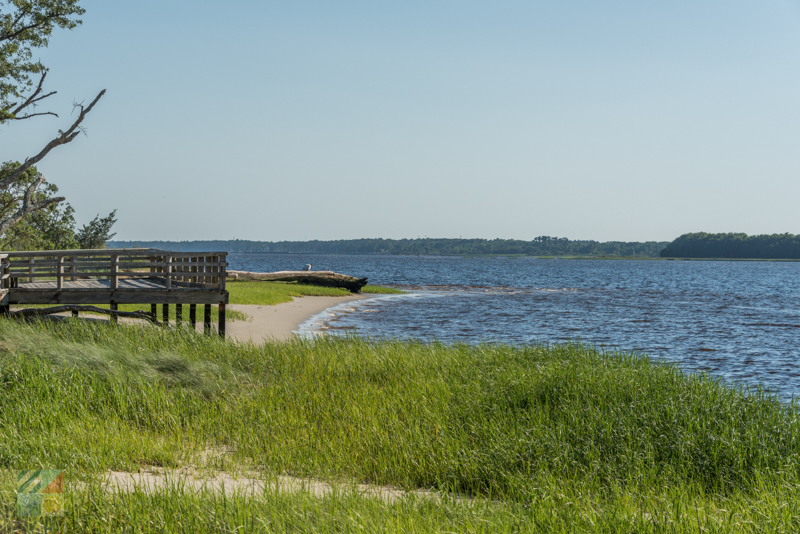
(271, 293)
(561, 438)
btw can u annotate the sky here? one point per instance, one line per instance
(615, 121)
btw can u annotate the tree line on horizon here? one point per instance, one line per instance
(734, 245)
(540, 246)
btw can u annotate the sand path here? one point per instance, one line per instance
(159, 480)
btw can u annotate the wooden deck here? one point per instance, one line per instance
(121, 276)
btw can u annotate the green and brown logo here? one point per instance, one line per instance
(40, 493)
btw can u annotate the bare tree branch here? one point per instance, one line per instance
(32, 101)
(62, 139)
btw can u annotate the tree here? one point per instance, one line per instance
(26, 25)
(51, 228)
(96, 233)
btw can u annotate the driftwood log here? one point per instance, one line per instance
(35, 312)
(317, 278)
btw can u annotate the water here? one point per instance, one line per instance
(737, 320)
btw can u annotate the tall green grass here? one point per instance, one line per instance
(561, 436)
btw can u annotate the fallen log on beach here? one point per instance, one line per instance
(317, 278)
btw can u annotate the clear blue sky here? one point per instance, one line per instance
(613, 120)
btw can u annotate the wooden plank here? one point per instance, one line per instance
(120, 296)
(132, 252)
(83, 252)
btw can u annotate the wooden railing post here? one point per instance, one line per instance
(31, 273)
(73, 268)
(7, 272)
(114, 283)
(168, 271)
(223, 273)
(153, 307)
(60, 273)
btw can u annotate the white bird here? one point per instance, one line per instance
(307, 267)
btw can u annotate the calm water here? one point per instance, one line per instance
(738, 320)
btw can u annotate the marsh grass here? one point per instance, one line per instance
(565, 438)
(271, 293)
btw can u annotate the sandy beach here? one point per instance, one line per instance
(276, 323)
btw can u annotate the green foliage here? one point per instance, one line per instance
(732, 245)
(95, 234)
(26, 25)
(52, 228)
(541, 246)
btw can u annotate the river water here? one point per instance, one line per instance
(739, 321)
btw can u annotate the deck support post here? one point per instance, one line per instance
(75, 313)
(178, 313)
(193, 316)
(222, 320)
(165, 313)
(114, 307)
(207, 319)
(154, 311)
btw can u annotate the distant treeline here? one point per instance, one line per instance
(541, 246)
(703, 245)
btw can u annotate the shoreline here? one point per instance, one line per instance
(280, 321)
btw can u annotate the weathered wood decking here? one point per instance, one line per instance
(118, 276)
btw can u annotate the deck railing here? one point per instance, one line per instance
(181, 269)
